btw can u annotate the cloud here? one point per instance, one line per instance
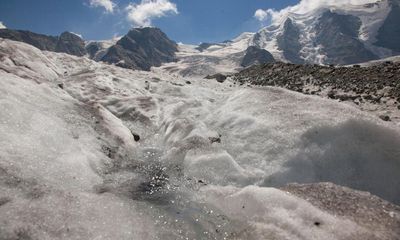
(2, 26)
(303, 7)
(261, 15)
(108, 5)
(141, 15)
(264, 15)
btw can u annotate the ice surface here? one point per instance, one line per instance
(278, 215)
(92, 151)
(363, 156)
(218, 58)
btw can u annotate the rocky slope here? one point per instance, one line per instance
(389, 33)
(378, 84)
(338, 34)
(288, 42)
(66, 43)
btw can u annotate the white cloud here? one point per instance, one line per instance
(264, 15)
(2, 26)
(303, 7)
(261, 15)
(108, 5)
(142, 14)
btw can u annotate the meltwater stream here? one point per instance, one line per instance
(92, 151)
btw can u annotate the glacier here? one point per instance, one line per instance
(93, 151)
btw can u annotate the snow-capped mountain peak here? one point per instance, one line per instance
(308, 31)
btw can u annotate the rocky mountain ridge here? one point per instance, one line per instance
(141, 48)
(67, 42)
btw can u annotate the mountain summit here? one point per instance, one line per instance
(333, 34)
(142, 48)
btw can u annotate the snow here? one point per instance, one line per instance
(77, 34)
(103, 46)
(305, 14)
(225, 57)
(276, 214)
(17, 60)
(218, 58)
(70, 168)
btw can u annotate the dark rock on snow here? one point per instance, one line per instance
(289, 42)
(338, 34)
(255, 55)
(219, 77)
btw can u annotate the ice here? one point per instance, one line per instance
(17, 60)
(270, 212)
(363, 156)
(48, 167)
(93, 151)
(218, 58)
(219, 168)
(115, 127)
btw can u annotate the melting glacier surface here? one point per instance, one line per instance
(92, 151)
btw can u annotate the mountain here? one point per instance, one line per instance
(71, 43)
(289, 42)
(338, 36)
(389, 33)
(211, 58)
(67, 42)
(334, 34)
(255, 55)
(43, 42)
(142, 48)
(97, 49)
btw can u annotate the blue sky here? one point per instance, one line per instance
(188, 21)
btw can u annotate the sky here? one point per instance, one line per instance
(187, 21)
